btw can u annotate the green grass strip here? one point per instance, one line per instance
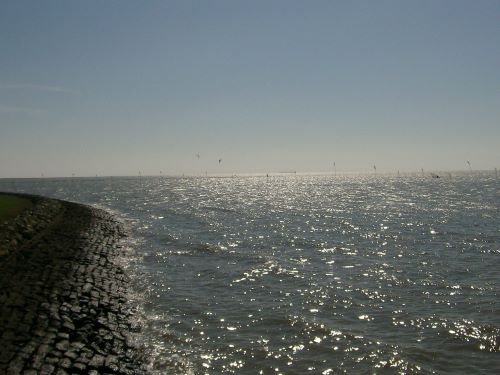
(11, 206)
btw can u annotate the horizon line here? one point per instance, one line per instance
(258, 174)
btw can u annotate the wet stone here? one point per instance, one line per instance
(61, 293)
(70, 354)
(65, 363)
(77, 345)
(29, 348)
(68, 326)
(63, 335)
(97, 361)
(79, 367)
(6, 356)
(51, 360)
(15, 367)
(47, 369)
(62, 345)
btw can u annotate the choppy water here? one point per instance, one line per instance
(311, 274)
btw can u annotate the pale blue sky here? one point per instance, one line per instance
(114, 87)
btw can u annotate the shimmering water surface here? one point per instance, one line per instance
(311, 274)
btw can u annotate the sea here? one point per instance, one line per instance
(308, 274)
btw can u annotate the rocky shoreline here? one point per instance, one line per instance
(64, 306)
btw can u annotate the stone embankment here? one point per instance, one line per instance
(63, 295)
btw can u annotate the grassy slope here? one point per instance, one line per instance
(11, 206)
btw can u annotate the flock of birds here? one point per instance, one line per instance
(198, 156)
(335, 166)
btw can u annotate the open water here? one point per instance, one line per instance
(310, 274)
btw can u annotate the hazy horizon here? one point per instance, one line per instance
(114, 88)
(444, 174)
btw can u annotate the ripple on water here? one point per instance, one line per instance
(312, 274)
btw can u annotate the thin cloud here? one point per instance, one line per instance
(9, 109)
(22, 86)
(19, 110)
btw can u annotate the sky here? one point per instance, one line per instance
(117, 87)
